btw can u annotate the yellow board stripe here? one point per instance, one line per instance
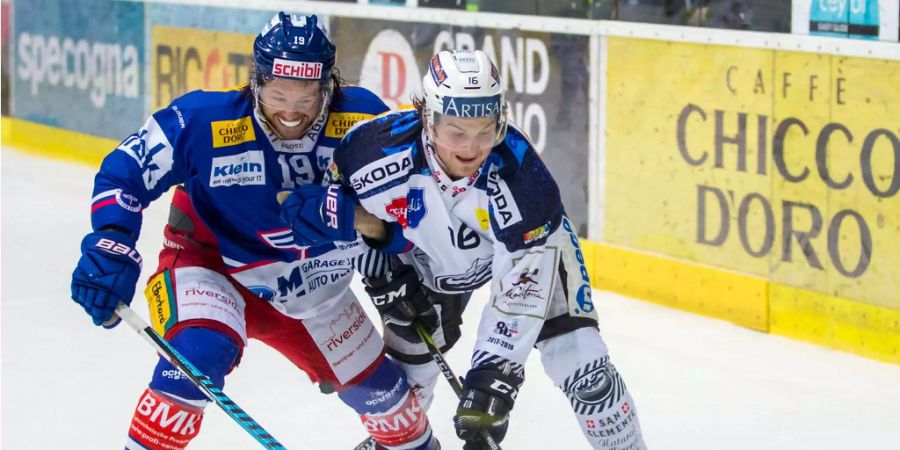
(835, 322)
(705, 290)
(747, 300)
(53, 142)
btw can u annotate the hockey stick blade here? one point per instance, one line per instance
(450, 376)
(198, 378)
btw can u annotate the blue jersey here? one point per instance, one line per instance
(233, 164)
(504, 225)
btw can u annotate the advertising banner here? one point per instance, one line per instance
(779, 164)
(858, 19)
(183, 15)
(80, 68)
(546, 77)
(199, 47)
(185, 59)
(4, 42)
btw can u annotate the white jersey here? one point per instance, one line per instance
(504, 225)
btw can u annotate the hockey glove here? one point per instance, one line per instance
(487, 398)
(402, 301)
(319, 214)
(106, 274)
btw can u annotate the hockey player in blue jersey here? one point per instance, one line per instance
(230, 269)
(466, 200)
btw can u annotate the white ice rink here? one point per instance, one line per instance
(698, 383)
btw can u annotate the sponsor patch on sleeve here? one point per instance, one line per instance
(339, 123)
(503, 205)
(484, 220)
(333, 173)
(382, 172)
(226, 133)
(537, 233)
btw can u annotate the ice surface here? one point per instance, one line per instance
(698, 383)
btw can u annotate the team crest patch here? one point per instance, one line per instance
(415, 206)
(163, 311)
(128, 201)
(437, 71)
(397, 209)
(408, 210)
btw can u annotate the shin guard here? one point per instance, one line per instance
(578, 362)
(160, 422)
(604, 407)
(389, 409)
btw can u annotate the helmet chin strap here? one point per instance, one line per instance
(432, 145)
(450, 187)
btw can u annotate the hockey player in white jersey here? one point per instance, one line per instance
(466, 200)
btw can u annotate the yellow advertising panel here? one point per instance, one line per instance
(779, 164)
(226, 133)
(184, 59)
(339, 123)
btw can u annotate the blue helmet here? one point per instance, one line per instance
(293, 46)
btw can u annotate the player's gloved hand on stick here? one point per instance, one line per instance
(487, 398)
(402, 301)
(319, 214)
(106, 274)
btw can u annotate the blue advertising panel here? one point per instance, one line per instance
(4, 65)
(233, 20)
(80, 66)
(858, 19)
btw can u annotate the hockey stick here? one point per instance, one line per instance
(450, 376)
(198, 378)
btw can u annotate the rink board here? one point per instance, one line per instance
(759, 163)
(784, 165)
(44, 140)
(78, 68)
(746, 300)
(836, 322)
(642, 211)
(667, 281)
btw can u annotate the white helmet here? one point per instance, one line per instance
(464, 83)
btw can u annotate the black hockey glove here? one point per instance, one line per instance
(487, 398)
(402, 301)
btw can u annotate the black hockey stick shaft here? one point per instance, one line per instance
(450, 376)
(197, 377)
